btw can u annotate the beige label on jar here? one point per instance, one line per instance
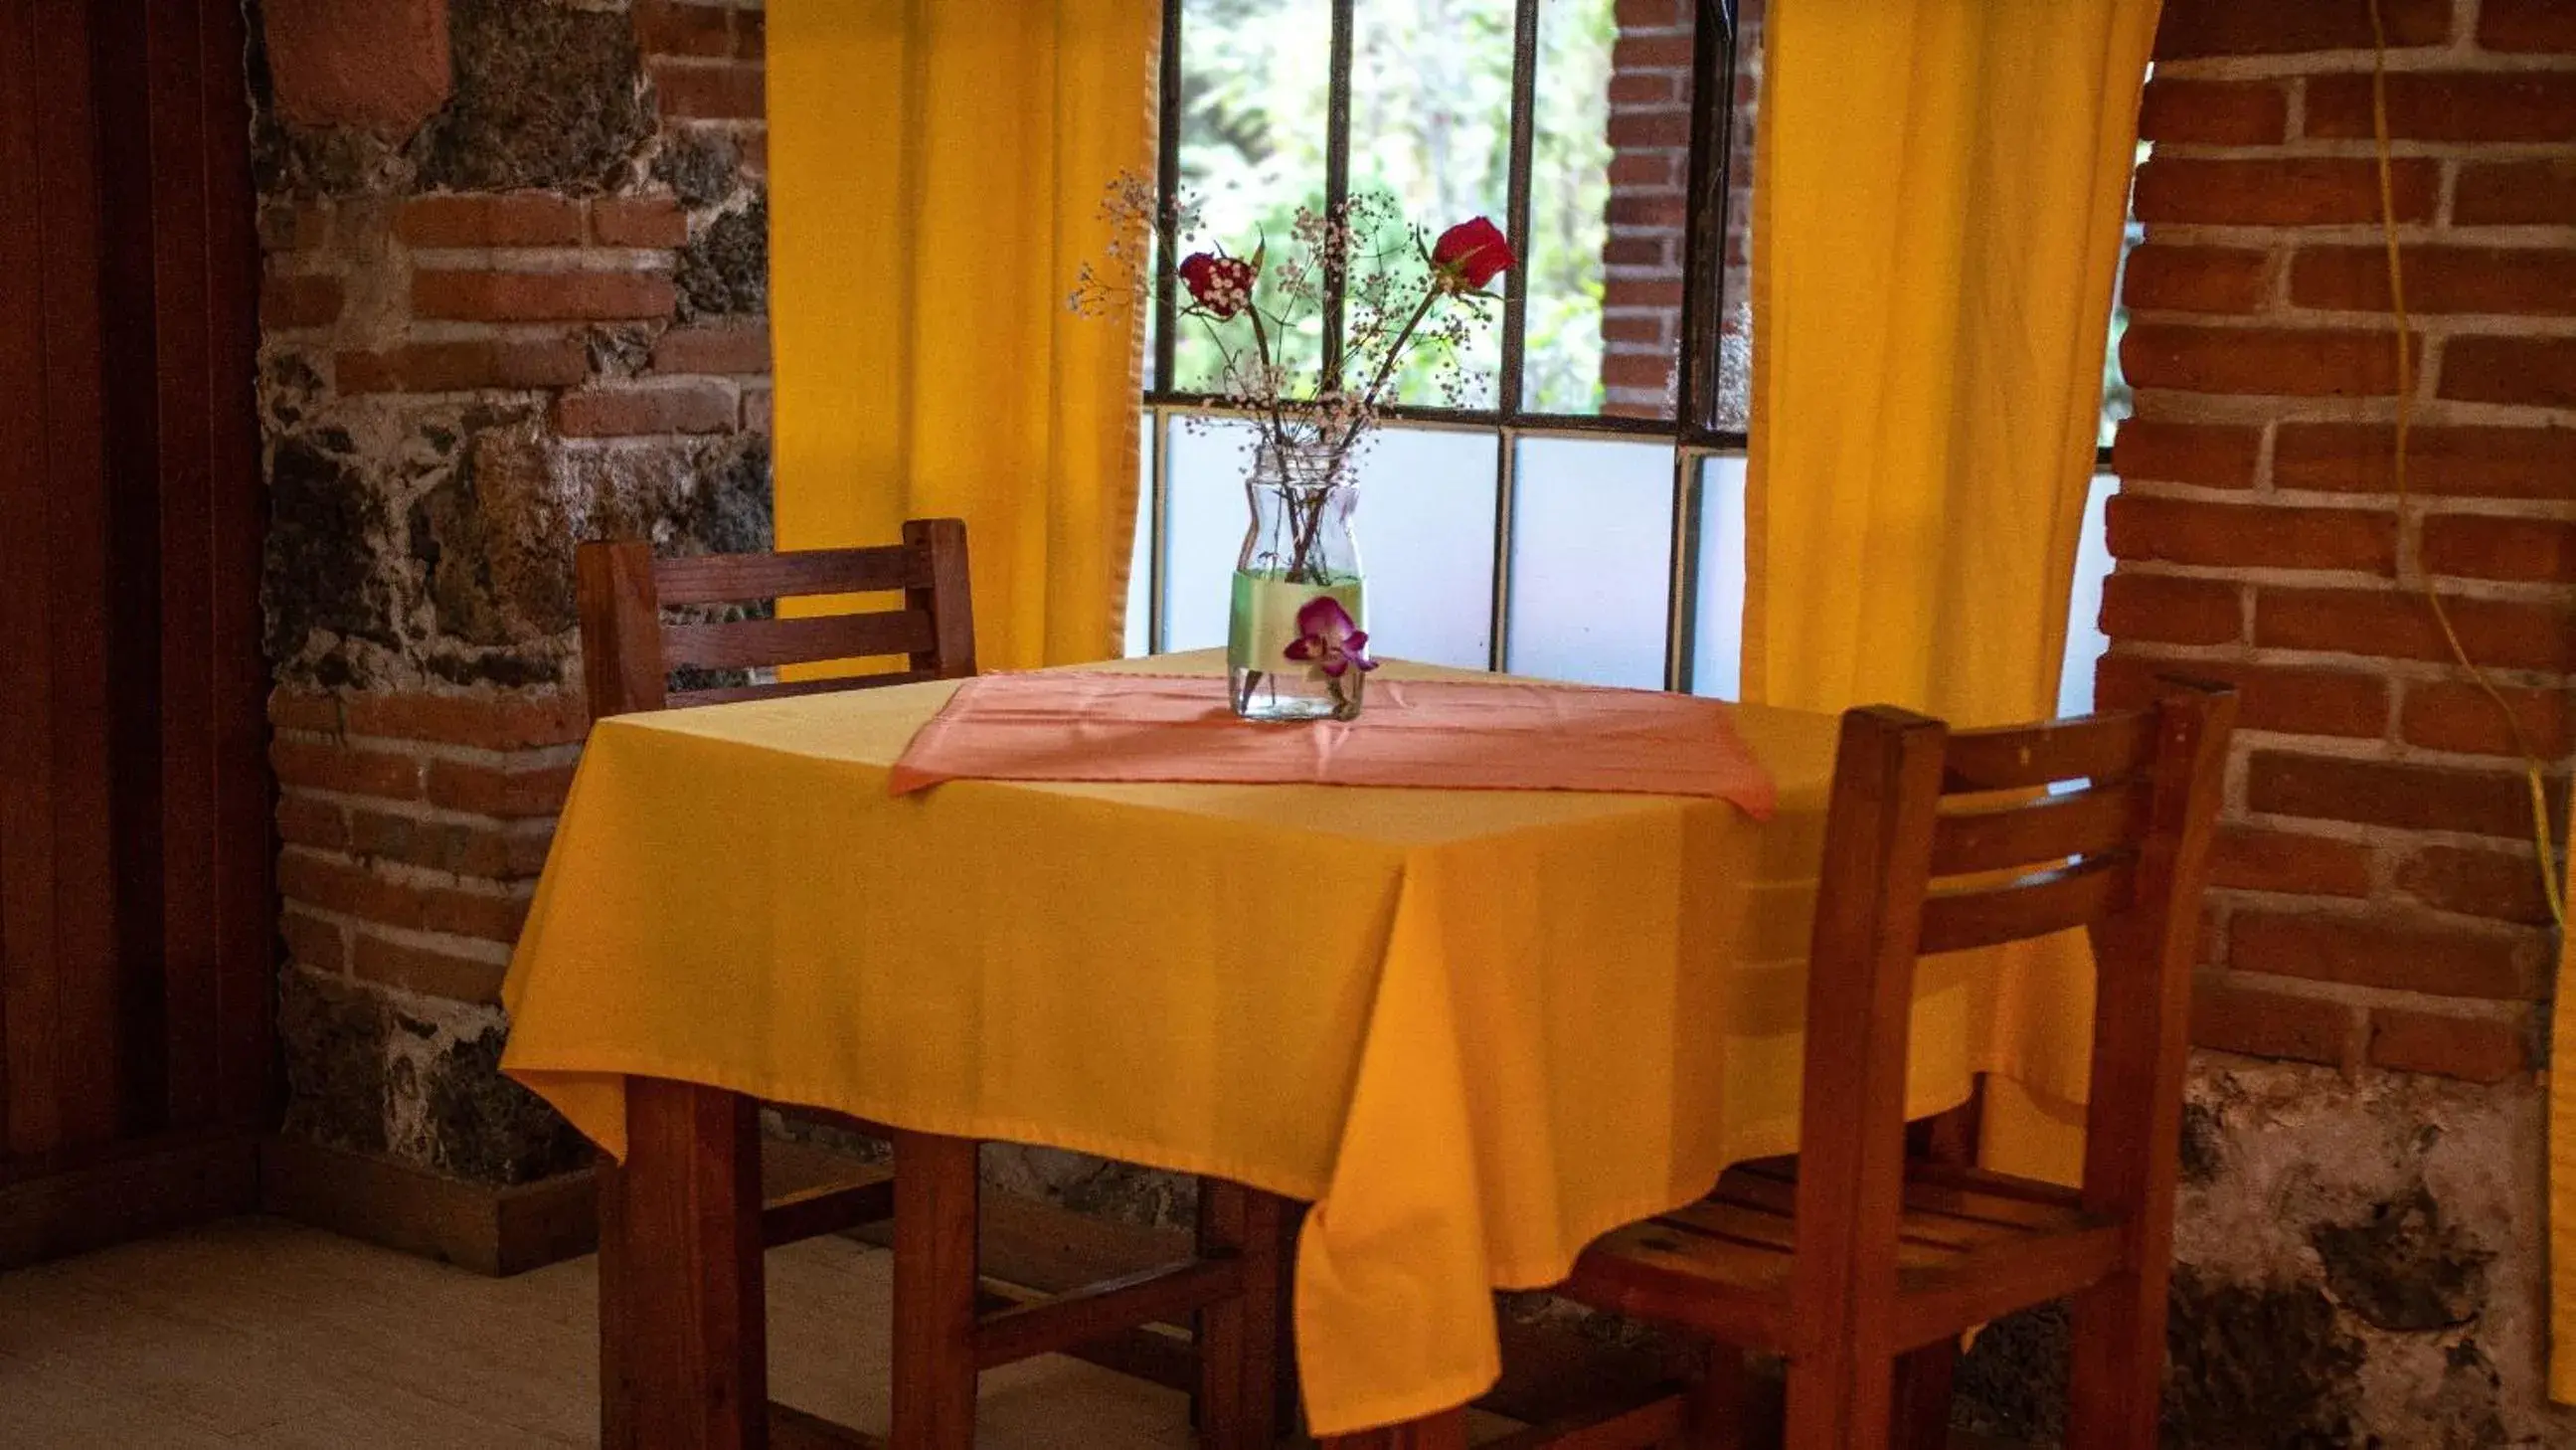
(1264, 622)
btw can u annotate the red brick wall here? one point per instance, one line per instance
(2377, 900)
(1650, 115)
(460, 381)
(414, 828)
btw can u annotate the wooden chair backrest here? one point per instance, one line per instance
(628, 652)
(1940, 841)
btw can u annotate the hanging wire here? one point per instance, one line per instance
(2534, 772)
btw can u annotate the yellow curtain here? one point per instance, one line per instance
(1938, 199)
(1937, 212)
(936, 171)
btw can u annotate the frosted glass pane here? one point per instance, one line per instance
(1426, 531)
(1717, 627)
(1591, 560)
(1205, 532)
(2085, 642)
(1140, 557)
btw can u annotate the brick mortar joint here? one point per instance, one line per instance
(2372, 912)
(2460, 839)
(2509, 1011)
(481, 1013)
(2452, 588)
(2297, 147)
(422, 812)
(2408, 672)
(490, 953)
(2168, 405)
(2385, 749)
(512, 760)
(2461, 55)
(403, 873)
(520, 261)
(2428, 327)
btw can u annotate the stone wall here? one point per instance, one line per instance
(1651, 104)
(515, 296)
(2360, 1244)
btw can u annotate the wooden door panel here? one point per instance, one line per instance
(137, 936)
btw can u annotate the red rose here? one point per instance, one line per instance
(1471, 254)
(1221, 286)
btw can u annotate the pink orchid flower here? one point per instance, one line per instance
(1329, 639)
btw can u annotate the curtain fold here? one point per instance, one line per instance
(1939, 191)
(1938, 201)
(936, 172)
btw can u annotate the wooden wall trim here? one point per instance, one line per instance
(491, 1230)
(81, 1202)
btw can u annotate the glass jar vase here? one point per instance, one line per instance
(1294, 641)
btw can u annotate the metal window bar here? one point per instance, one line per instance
(1337, 172)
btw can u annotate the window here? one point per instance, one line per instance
(1578, 512)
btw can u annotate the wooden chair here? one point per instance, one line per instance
(1856, 1256)
(949, 1323)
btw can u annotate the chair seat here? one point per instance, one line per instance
(1973, 1245)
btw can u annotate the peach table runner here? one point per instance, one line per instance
(1438, 734)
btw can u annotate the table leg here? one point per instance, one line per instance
(1444, 1431)
(935, 1192)
(683, 1351)
(1238, 1348)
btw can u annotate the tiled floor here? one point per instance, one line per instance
(262, 1333)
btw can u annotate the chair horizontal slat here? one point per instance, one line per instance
(726, 578)
(1085, 1314)
(757, 643)
(814, 1212)
(1778, 1197)
(1147, 1352)
(1659, 1421)
(2053, 828)
(2035, 905)
(793, 1429)
(1987, 1183)
(1936, 1303)
(1744, 1223)
(781, 689)
(1731, 1291)
(2101, 748)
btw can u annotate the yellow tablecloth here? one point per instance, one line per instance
(1476, 1029)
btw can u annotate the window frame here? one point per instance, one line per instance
(1692, 430)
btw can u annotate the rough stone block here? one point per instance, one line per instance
(546, 96)
(2356, 1264)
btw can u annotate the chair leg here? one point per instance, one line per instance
(1842, 1402)
(935, 1190)
(1714, 1410)
(1922, 1414)
(1238, 1348)
(1444, 1431)
(2115, 1374)
(1287, 1396)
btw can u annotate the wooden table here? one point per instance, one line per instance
(1494, 1025)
